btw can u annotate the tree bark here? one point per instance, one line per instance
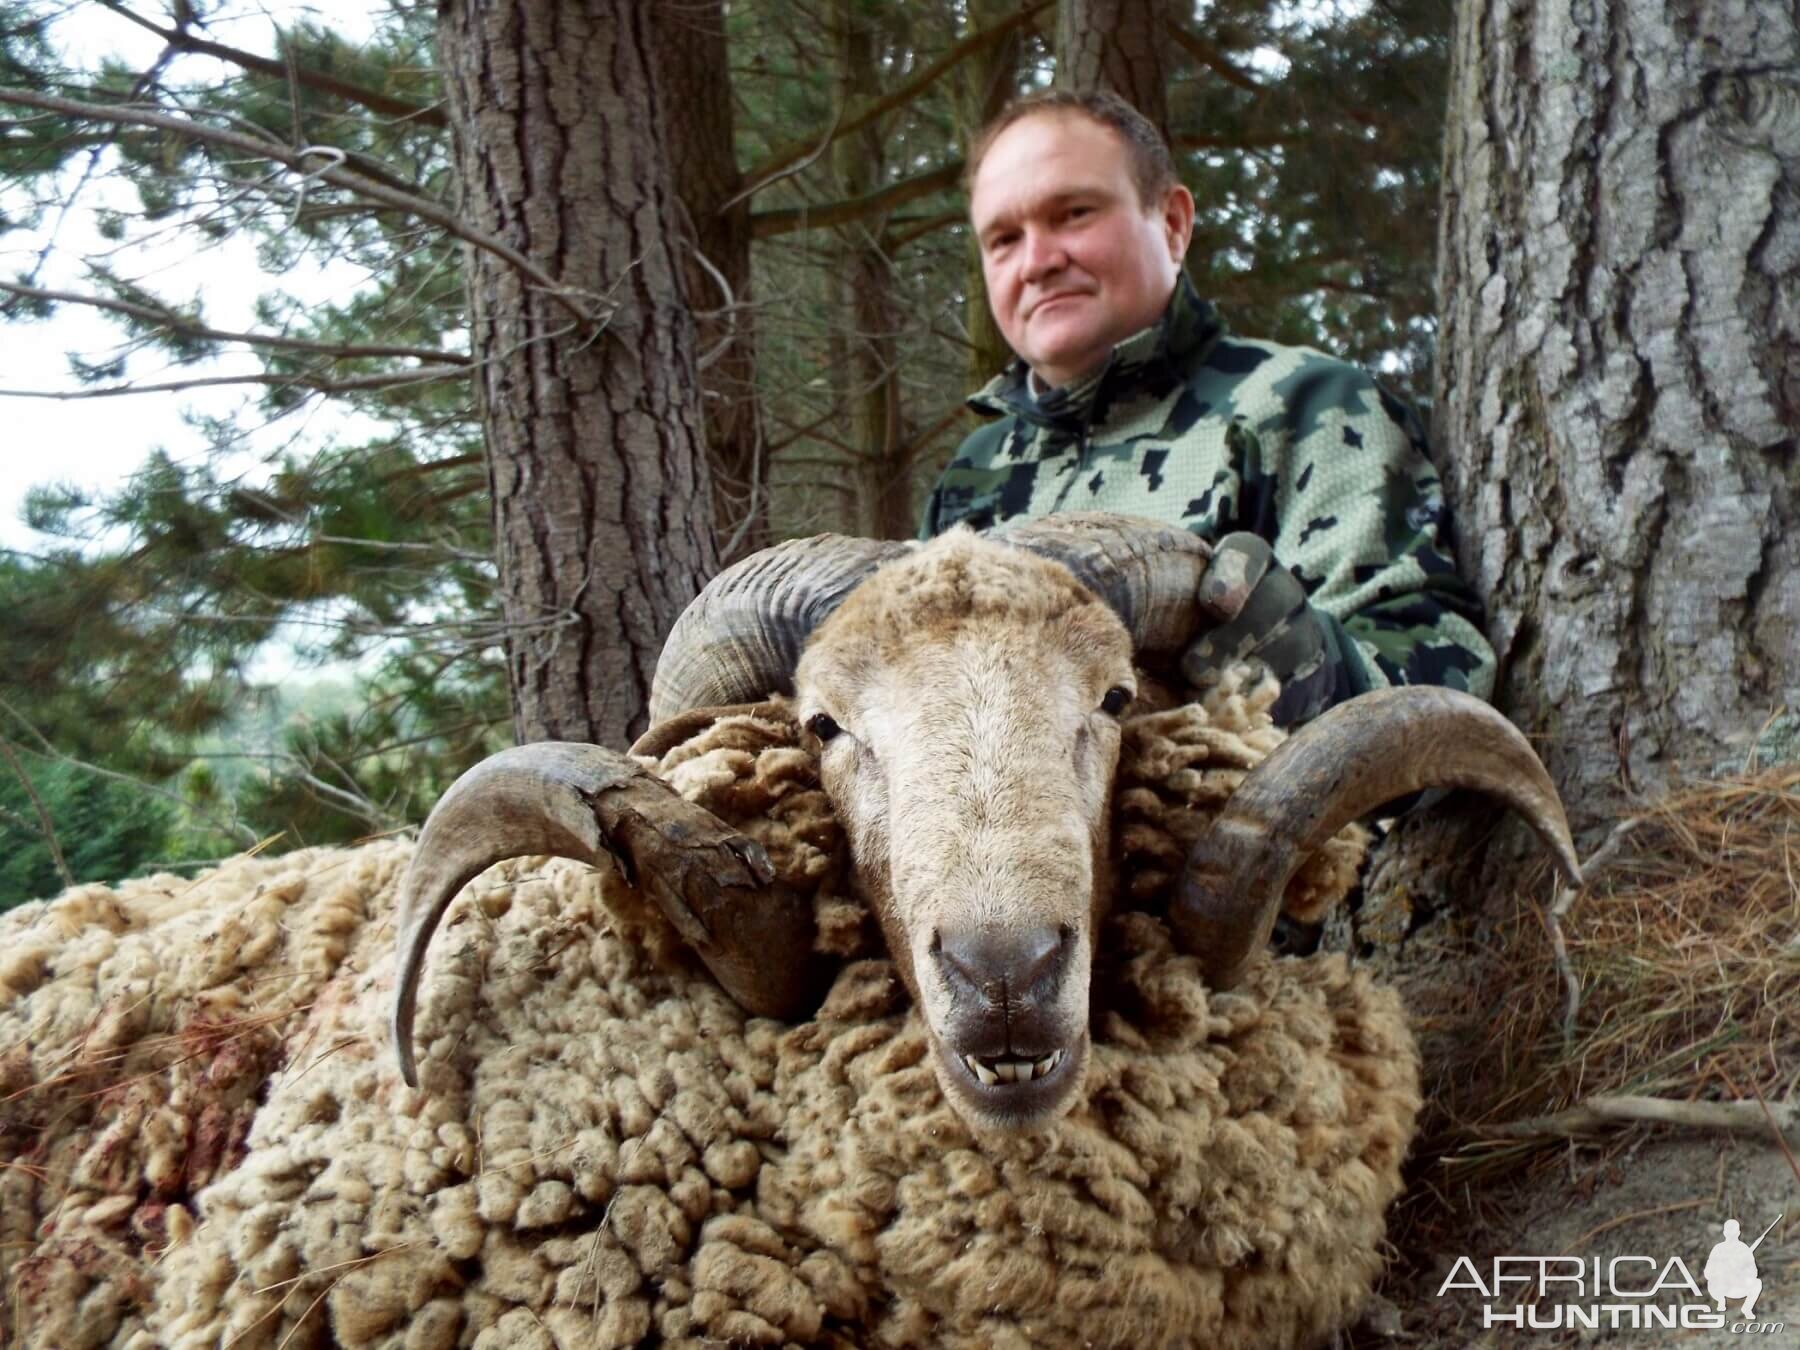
(694, 80)
(1122, 45)
(987, 81)
(602, 503)
(883, 468)
(1619, 375)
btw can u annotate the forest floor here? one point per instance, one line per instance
(1681, 970)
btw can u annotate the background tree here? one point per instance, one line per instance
(1620, 376)
(588, 386)
(771, 277)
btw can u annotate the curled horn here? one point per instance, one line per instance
(1339, 767)
(1147, 572)
(738, 640)
(592, 804)
(742, 635)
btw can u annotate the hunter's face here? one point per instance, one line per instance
(1074, 261)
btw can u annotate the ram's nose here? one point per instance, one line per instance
(1003, 968)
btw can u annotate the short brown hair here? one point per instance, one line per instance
(1152, 167)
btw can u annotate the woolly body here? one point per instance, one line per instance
(607, 1150)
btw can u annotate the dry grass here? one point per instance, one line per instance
(1686, 947)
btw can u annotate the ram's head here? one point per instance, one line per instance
(965, 697)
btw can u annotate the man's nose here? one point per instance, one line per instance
(1044, 255)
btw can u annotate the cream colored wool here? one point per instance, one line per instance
(608, 1151)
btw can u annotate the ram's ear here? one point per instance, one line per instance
(594, 805)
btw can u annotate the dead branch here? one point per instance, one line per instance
(355, 384)
(186, 326)
(372, 99)
(763, 174)
(1212, 58)
(302, 161)
(43, 814)
(1599, 1113)
(767, 224)
(49, 751)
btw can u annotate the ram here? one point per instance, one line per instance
(966, 705)
(1028, 1111)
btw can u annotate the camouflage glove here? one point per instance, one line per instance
(1263, 615)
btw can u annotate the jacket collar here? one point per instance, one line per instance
(1188, 326)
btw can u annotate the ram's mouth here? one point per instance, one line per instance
(1014, 1091)
(992, 1072)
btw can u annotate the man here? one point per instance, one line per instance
(1334, 565)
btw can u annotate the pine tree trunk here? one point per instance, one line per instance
(876, 428)
(602, 504)
(694, 80)
(986, 81)
(1122, 45)
(1619, 375)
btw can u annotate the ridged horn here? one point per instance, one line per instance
(591, 804)
(1340, 767)
(1146, 571)
(742, 635)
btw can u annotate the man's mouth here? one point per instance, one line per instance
(1048, 301)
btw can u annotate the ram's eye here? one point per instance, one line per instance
(821, 725)
(1116, 699)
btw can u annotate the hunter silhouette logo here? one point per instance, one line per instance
(1551, 1293)
(1731, 1268)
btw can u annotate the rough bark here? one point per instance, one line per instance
(987, 80)
(1619, 374)
(883, 468)
(602, 504)
(1122, 45)
(694, 81)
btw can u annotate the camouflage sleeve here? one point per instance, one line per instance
(1359, 517)
(970, 488)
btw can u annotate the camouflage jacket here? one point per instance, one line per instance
(1186, 423)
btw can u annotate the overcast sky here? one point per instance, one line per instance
(96, 443)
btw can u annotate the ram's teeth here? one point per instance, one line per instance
(981, 1071)
(1041, 1068)
(1008, 1070)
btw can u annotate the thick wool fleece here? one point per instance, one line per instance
(210, 1144)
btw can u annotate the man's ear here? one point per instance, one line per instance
(1178, 221)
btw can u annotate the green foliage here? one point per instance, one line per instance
(107, 830)
(133, 640)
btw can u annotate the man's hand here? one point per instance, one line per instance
(1262, 615)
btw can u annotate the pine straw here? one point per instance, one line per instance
(1686, 948)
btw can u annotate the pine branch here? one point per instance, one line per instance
(306, 161)
(43, 815)
(766, 172)
(766, 224)
(183, 325)
(49, 751)
(1213, 59)
(1265, 140)
(374, 100)
(918, 229)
